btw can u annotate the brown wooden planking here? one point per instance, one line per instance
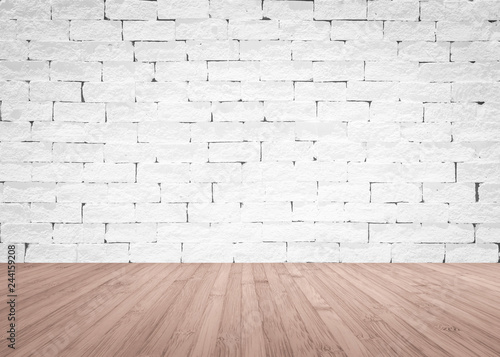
(257, 310)
(123, 340)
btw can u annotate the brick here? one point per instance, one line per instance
(475, 51)
(131, 10)
(214, 91)
(474, 213)
(266, 212)
(131, 112)
(81, 192)
(460, 31)
(79, 112)
(108, 92)
(237, 111)
(269, 90)
(338, 9)
(178, 9)
(156, 92)
(48, 253)
(29, 192)
(186, 192)
(478, 172)
(343, 191)
(489, 193)
(207, 253)
(103, 253)
(396, 112)
(57, 172)
(95, 30)
(131, 233)
(338, 71)
(160, 51)
(254, 30)
(214, 50)
(234, 71)
(148, 30)
(320, 91)
(228, 152)
(8, 30)
(77, 152)
(161, 132)
(393, 10)
(424, 51)
(395, 192)
(238, 192)
(391, 71)
(370, 50)
(410, 31)
(422, 212)
(236, 9)
(418, 253)
(318, 50)
(201, 29)
(163, 173)
(56, 213)
(155, 252)
(127, 72)
(304, 30)
(459, 11)
(14, 50)
(79, 233)
(26, 233)
(367, 253)
(182, 71)
(20, 252)
(108, 213)
(288, 10)
(357, 30)
(27, 71)
(15, 172)
(75, 71)
(78, 9)
(313, 252)
(488, 233)
(133, 192)
(422, 233)
(56, 91)
(284, 191)
(448, 192)
(318, 212)
(265, 50)
(43, 30)
(266, 252)
(161, 212)
(14, 213)
(471, 253)
(95, 172)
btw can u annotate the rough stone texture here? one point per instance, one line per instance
(249, 130)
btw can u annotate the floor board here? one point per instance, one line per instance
(252, 310)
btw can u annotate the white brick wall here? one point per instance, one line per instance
(249, 130)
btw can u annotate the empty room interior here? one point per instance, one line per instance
(247, 178)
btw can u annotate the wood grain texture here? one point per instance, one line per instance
(255, 310)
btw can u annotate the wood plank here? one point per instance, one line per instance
(252, 334)
(229, 334)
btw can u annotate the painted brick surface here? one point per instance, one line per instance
(250, 131)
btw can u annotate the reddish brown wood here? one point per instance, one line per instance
(255, 310)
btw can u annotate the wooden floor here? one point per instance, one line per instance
(255, 310)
